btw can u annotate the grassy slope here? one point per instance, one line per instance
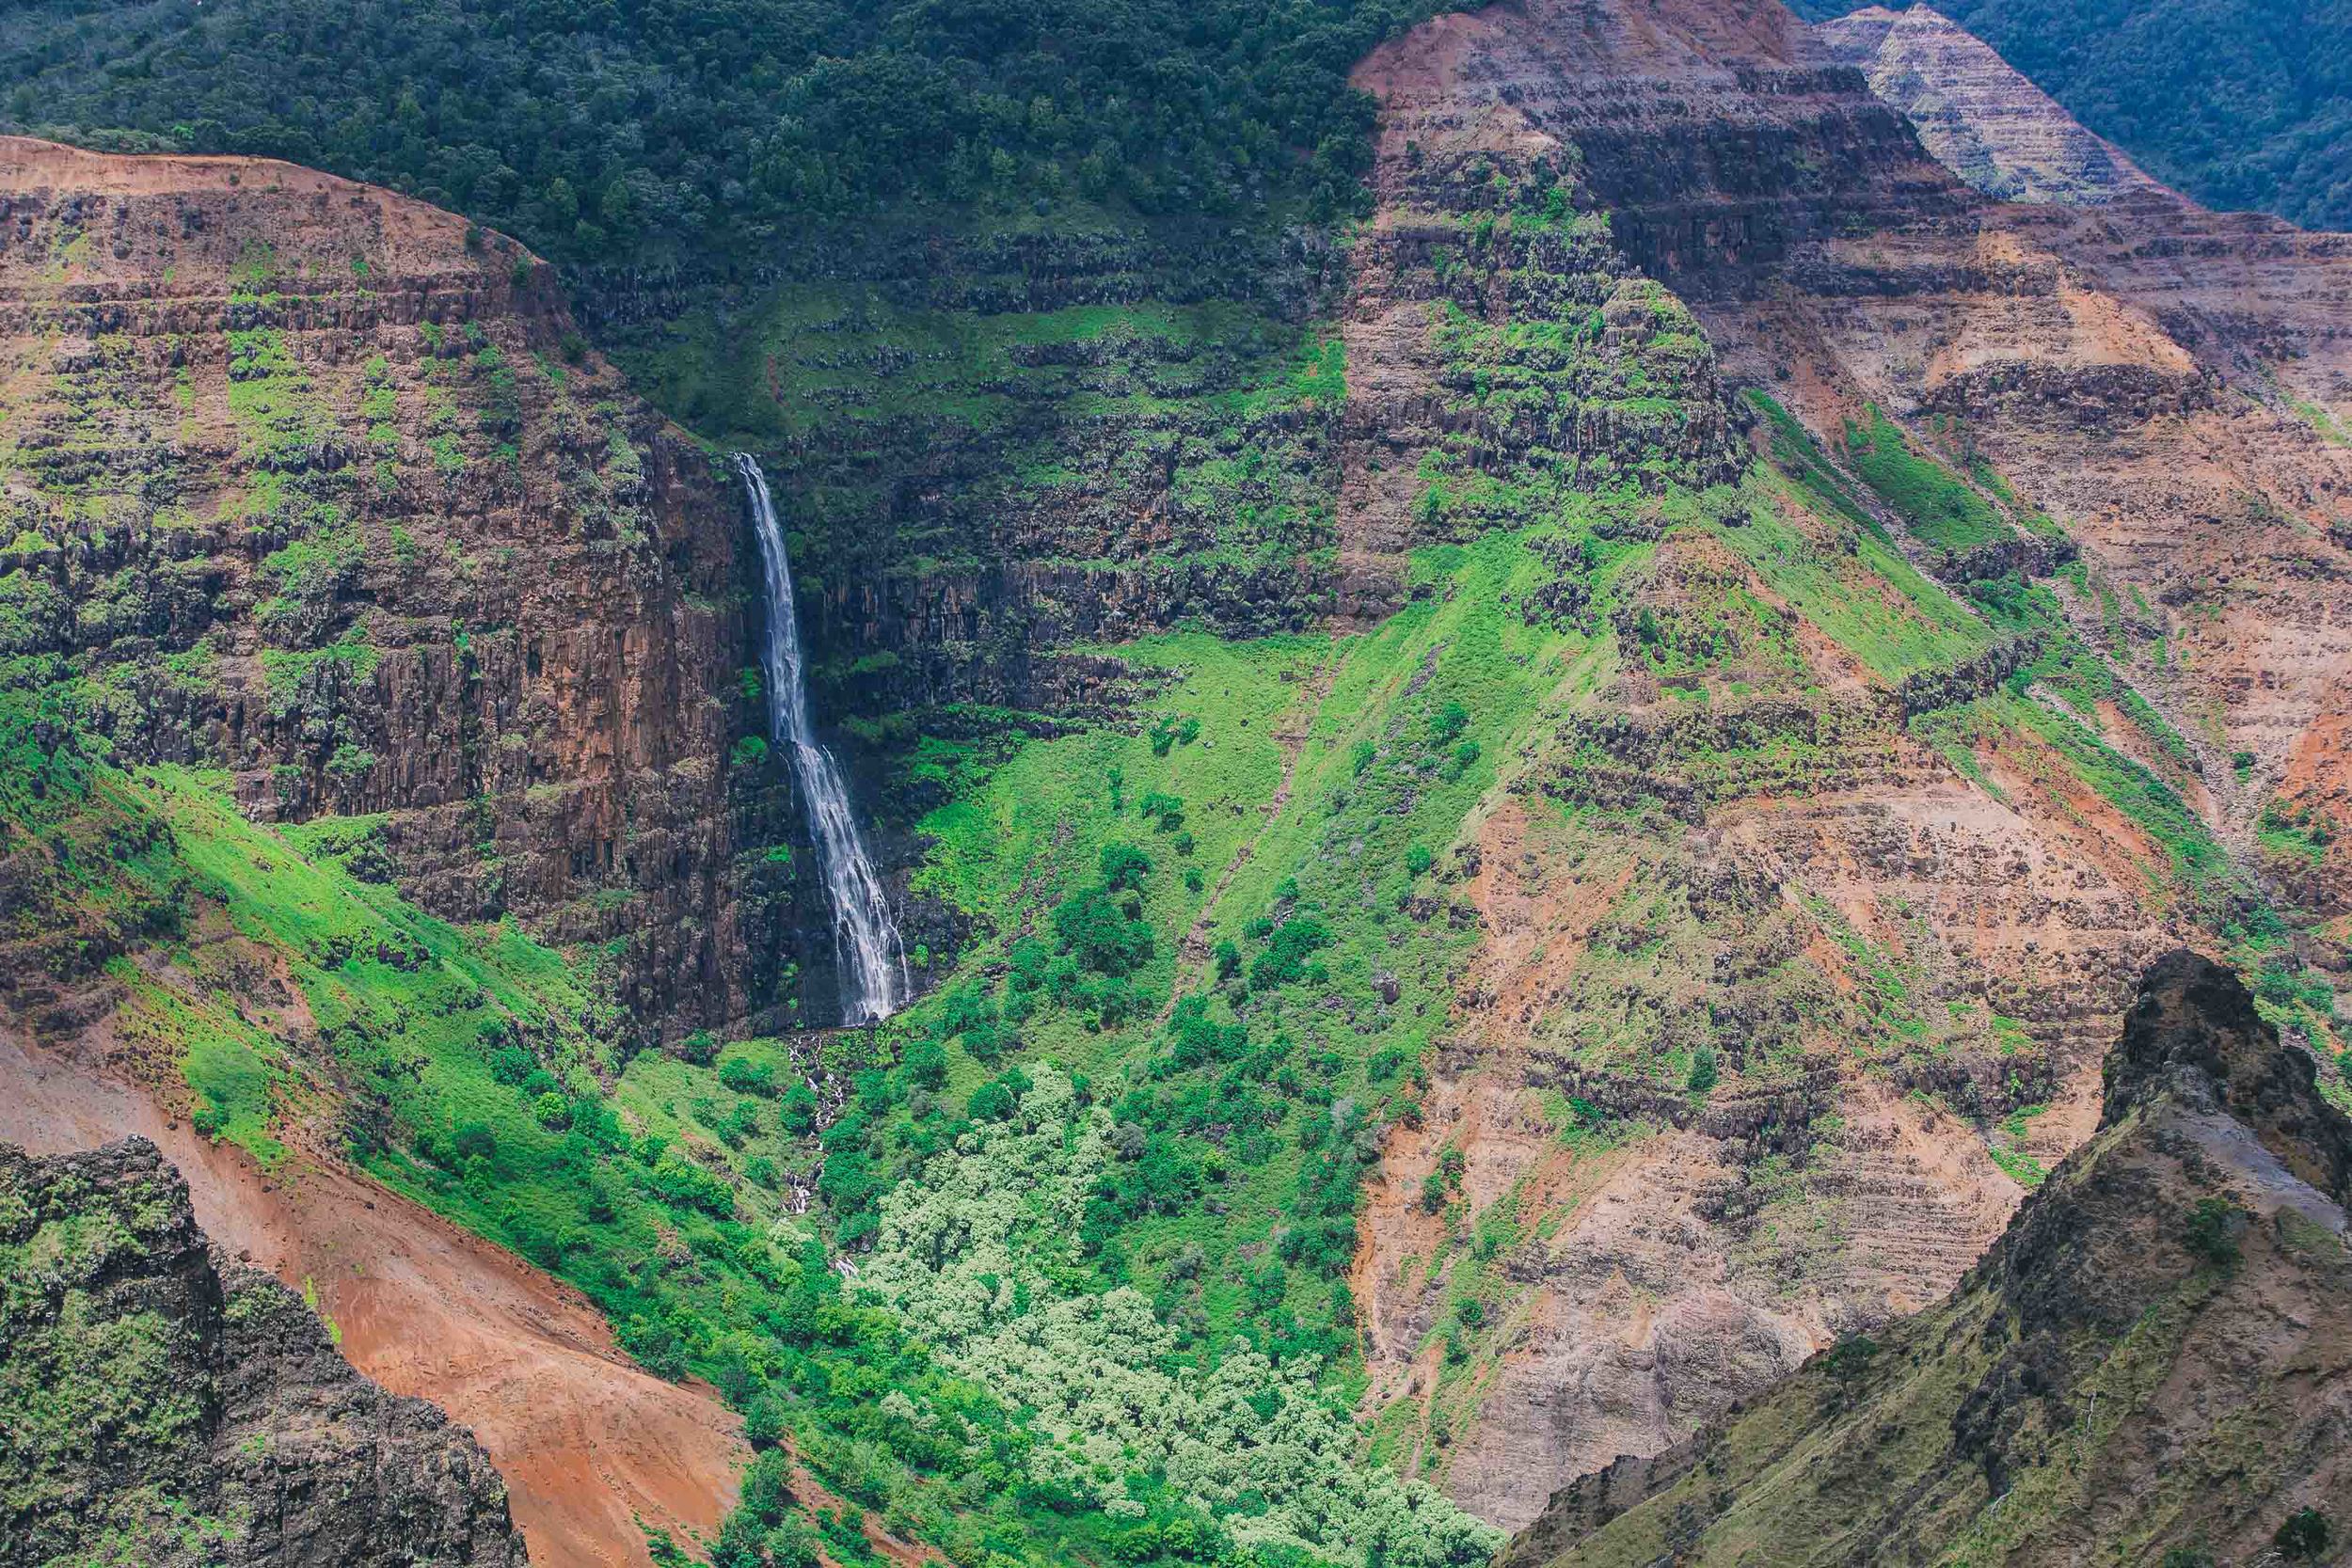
(667, 1196)
(1244, 1106)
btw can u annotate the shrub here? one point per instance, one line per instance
(553, 1111)
(2212, 1232)
(1703, 1072)
(745, 1076)
(681, 1183)
(1448, 723)
(768, 1483)
(1851, 1357)
(1028, 961)
(926, 1064)
(763, 1422)
(2304, 1536)
(511, 1064)
(997, 1099)
(1165, 811)
(473, 1141)
(1418, 860)
(1123, 867)
(1101, 934)
(792, 1543)
(655, 1344)
(210, 1120)
(1285, 961)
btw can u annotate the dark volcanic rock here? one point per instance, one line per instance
(2151, 1359)
(167, 1407)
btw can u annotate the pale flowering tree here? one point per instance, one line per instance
(966, 1253)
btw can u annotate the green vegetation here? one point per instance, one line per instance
(718, 127)
(1935, 503)
(2241, 108)
(1054, 1266)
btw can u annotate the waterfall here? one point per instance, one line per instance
(873, 964)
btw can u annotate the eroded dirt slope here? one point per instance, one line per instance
(1881, 814)
(588, 1442)
(2149, 1362)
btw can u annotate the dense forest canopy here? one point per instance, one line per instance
(2242, 103)
(610, 129)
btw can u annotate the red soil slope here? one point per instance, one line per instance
(588, 1442)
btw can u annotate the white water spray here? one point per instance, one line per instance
(873, 964)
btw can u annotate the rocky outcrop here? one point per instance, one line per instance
(995, 449)
(315, 484)
(2151, 1361)
(1875, 886)
(1983, 120)
(168, 1407)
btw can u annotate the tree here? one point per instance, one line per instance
(1101, 934)
(1703, 1072)
(2304, 1537)
(1124, 867)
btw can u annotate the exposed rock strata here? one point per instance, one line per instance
(168, 1405)
(310, 483)
(2151, 1359)
(1983, 120)
(1779, 829)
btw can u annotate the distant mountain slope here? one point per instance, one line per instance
(2150, 1366)
(1982, 119)
(2239, 105)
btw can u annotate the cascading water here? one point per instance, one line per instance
(873, 964)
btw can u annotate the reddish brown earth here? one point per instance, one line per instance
(2134, 370)
(317, 486)
(589, 1443)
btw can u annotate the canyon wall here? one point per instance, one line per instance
(165, 1403)
(316, 486)
(1897, 894)
(1983, 120)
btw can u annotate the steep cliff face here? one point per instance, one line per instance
(997, 441)
(2149, 1362)
(315, 486)
(165, 1407)
(1982, 119)
(1882, 852)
